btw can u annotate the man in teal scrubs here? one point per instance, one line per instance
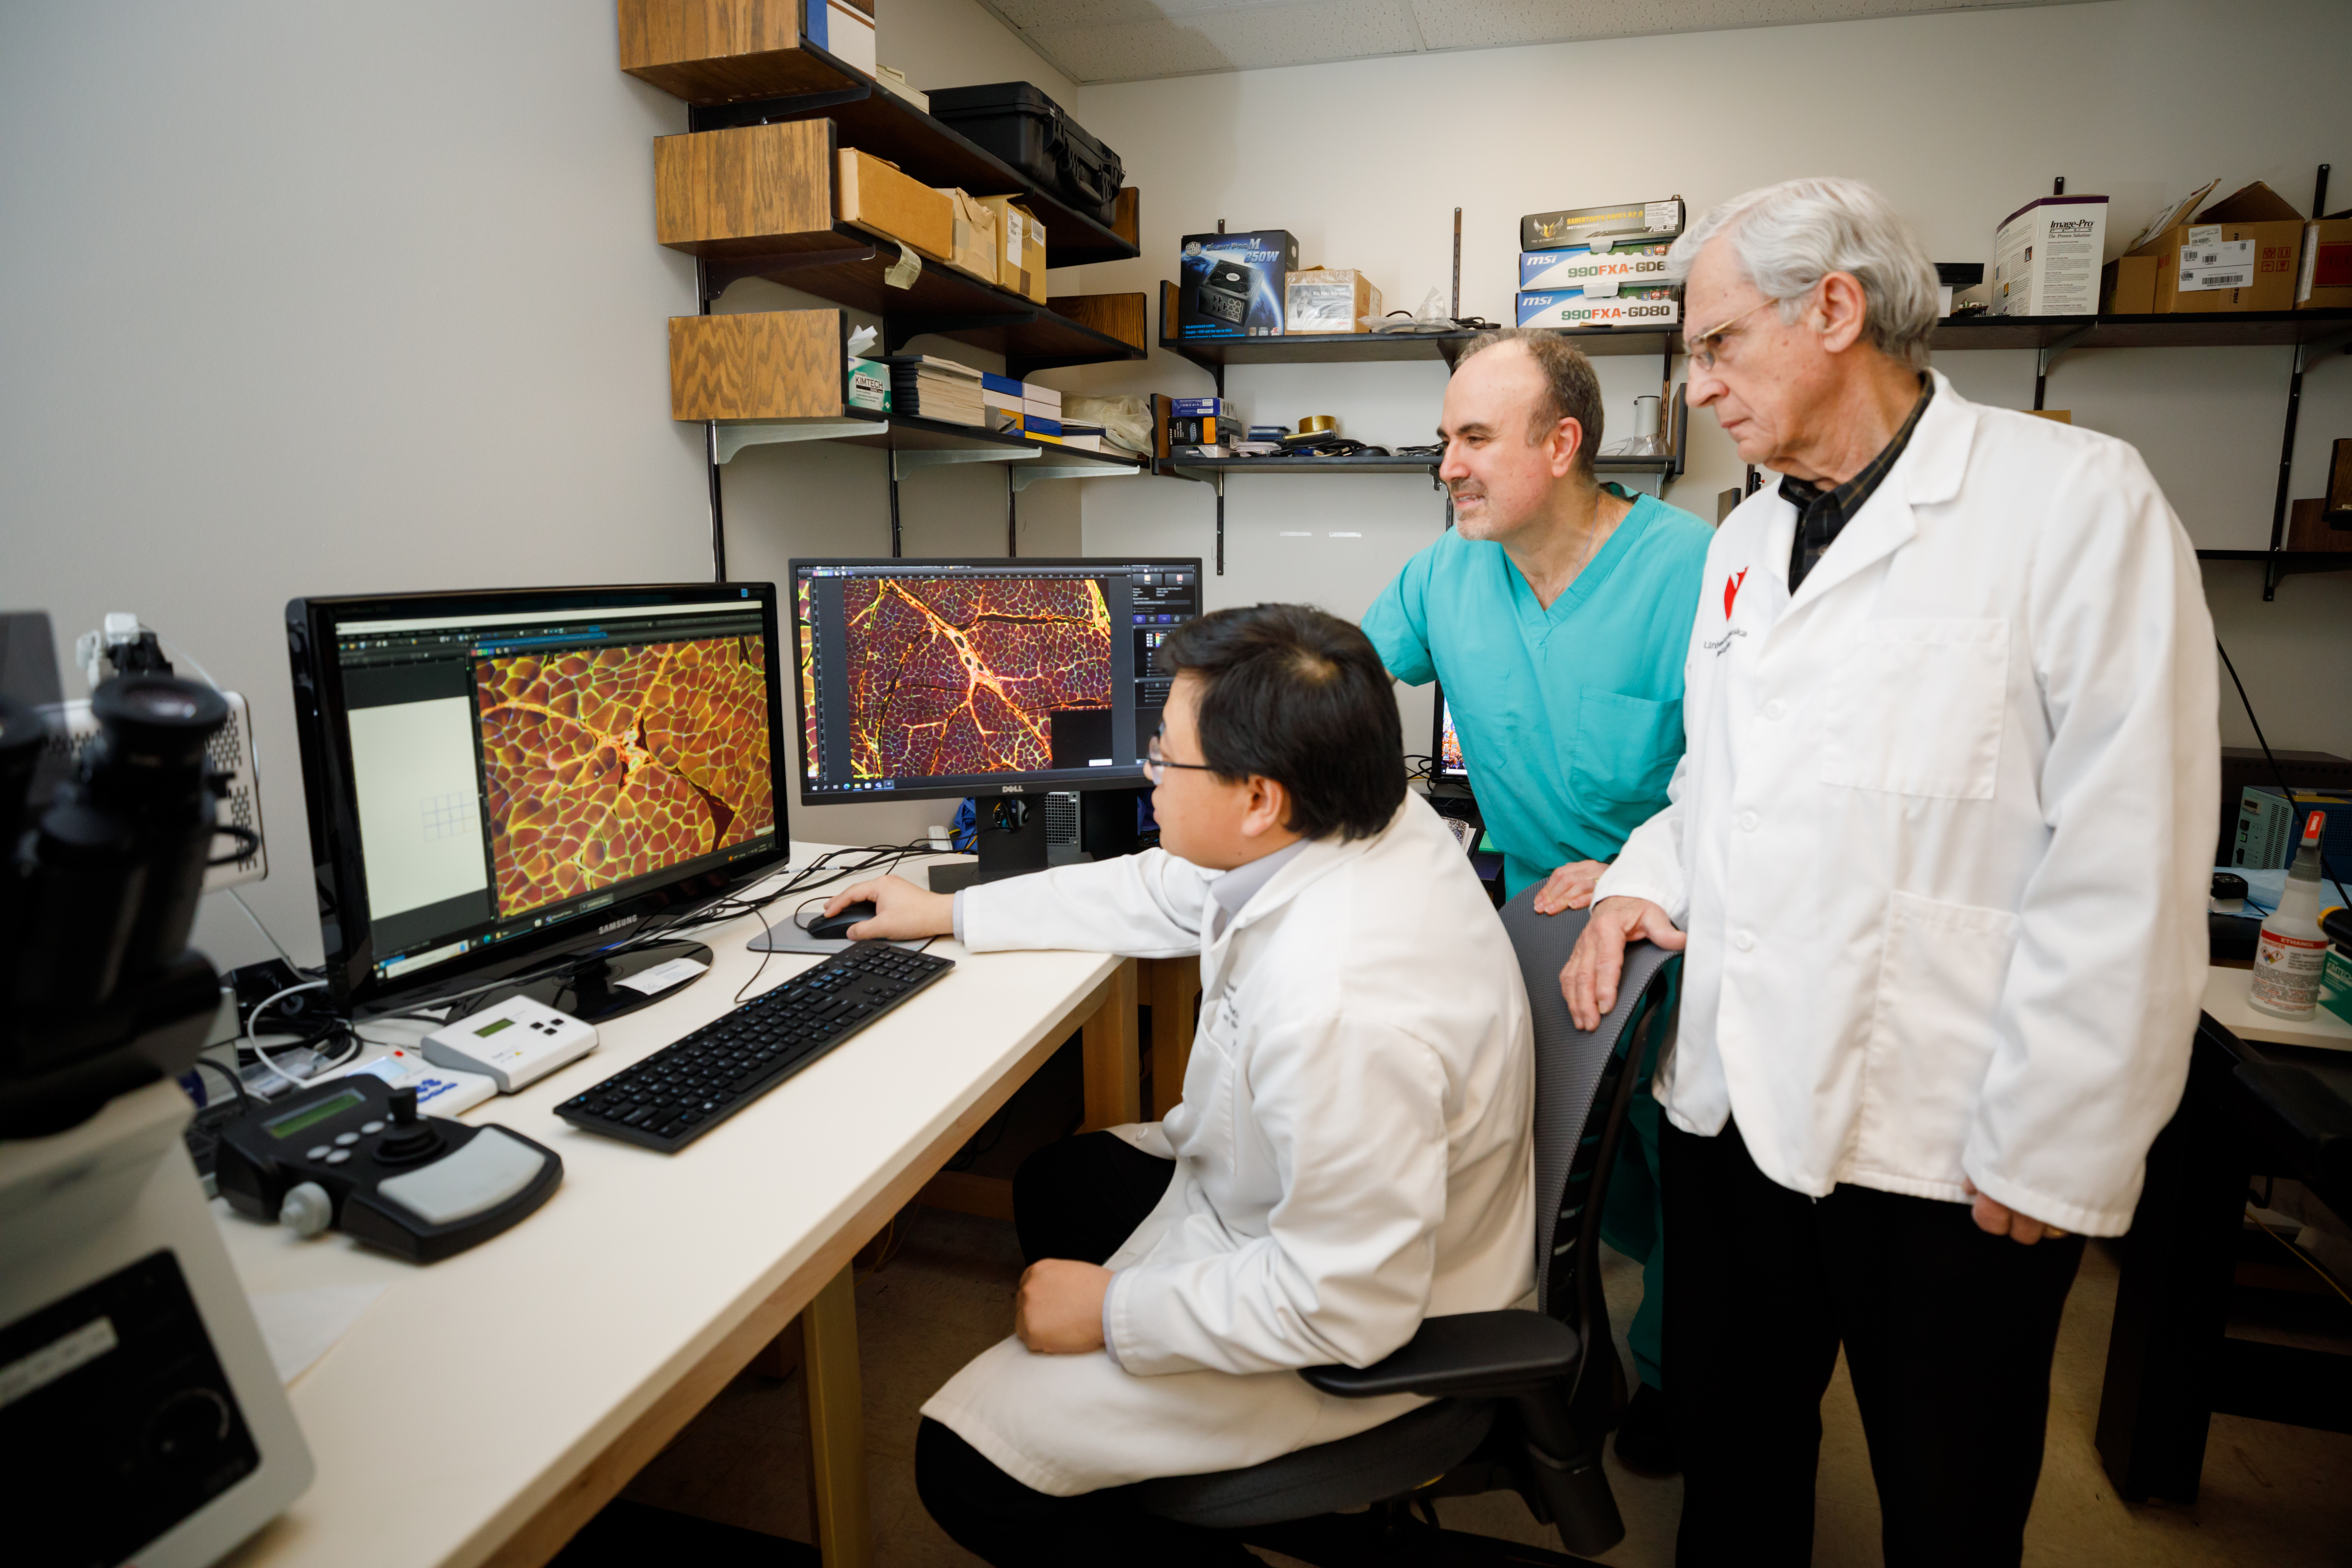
(1556, 613)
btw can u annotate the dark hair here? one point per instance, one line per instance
(1571, 389)
(1294, 695)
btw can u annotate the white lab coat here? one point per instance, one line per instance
(1354, 1151)
(1942, 833)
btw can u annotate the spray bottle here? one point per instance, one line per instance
(2292, 951)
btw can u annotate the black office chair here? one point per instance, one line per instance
(1520, 1400)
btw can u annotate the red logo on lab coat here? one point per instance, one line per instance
(1731, 591)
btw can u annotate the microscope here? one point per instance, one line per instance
(141, 1416)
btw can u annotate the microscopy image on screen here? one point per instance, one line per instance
(966, 675)
(603, 765)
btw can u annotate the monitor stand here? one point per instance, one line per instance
(590, 988)
(1005, 848)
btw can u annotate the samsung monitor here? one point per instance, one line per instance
(502, 781)
(998, 679)
(1446, 766)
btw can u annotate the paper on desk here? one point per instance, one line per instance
(301, 1326)
(662, 976)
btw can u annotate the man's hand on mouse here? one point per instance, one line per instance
(902, 911)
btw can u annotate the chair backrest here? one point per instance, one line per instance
(1583, 1083)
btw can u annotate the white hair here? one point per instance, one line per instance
(1788, 237)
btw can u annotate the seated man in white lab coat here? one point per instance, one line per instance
(1940, 842)
(1354, 1150)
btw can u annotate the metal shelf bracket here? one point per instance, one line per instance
(2047, 355)
(1028, 474)
(904, 461)
(729, 439)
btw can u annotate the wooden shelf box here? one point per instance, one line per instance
(763, 365)
(720, 51)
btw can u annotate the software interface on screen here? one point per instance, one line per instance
(1450, 764)
(934, 675)
(515, 771)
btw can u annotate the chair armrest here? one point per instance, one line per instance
(1489, 1355)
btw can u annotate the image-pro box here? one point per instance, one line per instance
(1231, 285)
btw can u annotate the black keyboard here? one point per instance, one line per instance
(683, 1091)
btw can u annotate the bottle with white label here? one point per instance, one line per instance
(2292, 951)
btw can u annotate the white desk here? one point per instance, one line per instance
(487, 1406)
(2225, 1002)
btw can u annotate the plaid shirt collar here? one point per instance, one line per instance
(1822, 514)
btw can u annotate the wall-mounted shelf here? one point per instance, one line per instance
(917, 442)
(2281, 564)
(1188, 468)
(761, 203)
(737, 63)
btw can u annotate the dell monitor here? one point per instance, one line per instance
(1002, 679)
(524, 781)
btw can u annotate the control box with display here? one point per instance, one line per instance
(354, 1154)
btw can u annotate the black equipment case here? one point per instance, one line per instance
(1021, 125)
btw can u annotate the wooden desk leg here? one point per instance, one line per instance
(1172, 984)
(845, 1526)
(1114, 1073)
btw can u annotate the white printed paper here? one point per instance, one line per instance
(2228, 264)
(662, 976)
(301, 1326)
(1659, 217)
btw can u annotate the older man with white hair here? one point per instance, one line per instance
(1939, 847)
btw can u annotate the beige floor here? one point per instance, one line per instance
(2275, 1496)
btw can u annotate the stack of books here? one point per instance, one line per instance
(932, 388)
(1085, 438)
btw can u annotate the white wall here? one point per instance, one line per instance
(303, 300)
(1960, 118)
(300, 298)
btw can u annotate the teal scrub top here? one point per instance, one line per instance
(1571, 718)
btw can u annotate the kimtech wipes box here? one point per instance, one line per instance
(1231, 285)
(1594, 271)
(2046, 255)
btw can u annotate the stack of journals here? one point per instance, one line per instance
(932, 388)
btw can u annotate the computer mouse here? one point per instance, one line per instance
(836, 928)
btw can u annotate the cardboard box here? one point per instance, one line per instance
(974, 229)
(2324, 280)
(1572, 308)
(2127, 287)
(2239, 254)
(1231, 285)
(2045, 257)
(1594, 271)
(1021, 248)
(876, 197)
(1600, 228)
(1327, 299)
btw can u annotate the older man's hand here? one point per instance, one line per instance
(1570, 888)
(1059, 1308)
(1996, 1218)
(1589, 980)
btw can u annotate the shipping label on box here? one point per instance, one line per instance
(1574, 308)
(1021, 248)
(1594, 271)
(1231, 285)
(2217, 264)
